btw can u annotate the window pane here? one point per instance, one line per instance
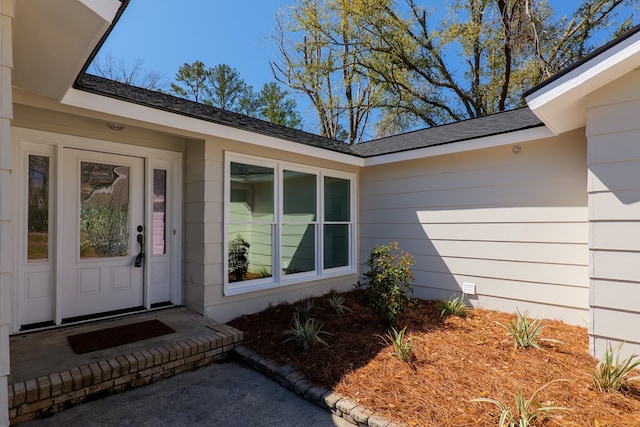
(38, 209)
(336, 245)
(337, 199)
(250, 251)
(159, 211)
(104, 210)
(299, 199)
(251, 193)
(298, 248)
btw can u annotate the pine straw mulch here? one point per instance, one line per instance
(454, 360)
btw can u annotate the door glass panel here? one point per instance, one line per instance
(159, 211)
(104, 210)
(38, 209)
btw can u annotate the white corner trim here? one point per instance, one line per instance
(135, 112)
(461, 146)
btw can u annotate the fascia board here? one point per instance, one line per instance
(509, 138)
(134, 112)
(560, 104)
(106, 9)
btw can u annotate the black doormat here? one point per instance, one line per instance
(113, 337)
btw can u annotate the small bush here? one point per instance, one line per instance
(401, 346)
(525, 411)
(305, 311)
(454, 306)
(306, 334)
(336, 302)
(525, 332)
(611, 373)
(387, 281)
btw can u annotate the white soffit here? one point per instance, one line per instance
(130, 113)
(54, 38)
(561, 103)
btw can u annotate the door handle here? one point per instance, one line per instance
(140, 239)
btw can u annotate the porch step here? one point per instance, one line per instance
(45, 395)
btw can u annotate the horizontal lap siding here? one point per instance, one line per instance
(613, 132)
(515, 225)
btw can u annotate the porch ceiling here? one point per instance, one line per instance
(53, 39)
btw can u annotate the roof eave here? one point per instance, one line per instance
(560, 102)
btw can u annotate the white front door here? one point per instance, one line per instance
(102, 233)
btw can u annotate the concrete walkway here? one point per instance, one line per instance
(224, 395)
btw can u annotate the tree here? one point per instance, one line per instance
(135, 74)
(319, 59)
(222, 86)
(503, 47)
(410, 68)
(274, 106)
(191, 82)
(226, 88)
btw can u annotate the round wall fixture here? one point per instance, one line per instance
(115, 126)
(516, 149)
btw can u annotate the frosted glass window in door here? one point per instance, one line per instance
(104, 210)
(38, 209)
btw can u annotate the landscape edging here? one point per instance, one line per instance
(288, 377)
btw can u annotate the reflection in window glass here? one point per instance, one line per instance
(298, 248)
(251, 193)
(337, 217)
(104, 210)
(159, 211)
(336, 199)
(251, 222)
(336, 245)
(250, 251)
(38, 209)
(299, 203)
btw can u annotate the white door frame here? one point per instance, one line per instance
(153, 158)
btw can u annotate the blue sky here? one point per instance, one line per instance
(165, 34)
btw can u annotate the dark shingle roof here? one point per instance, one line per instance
(508, 121)
(494, 124)
(165, 102)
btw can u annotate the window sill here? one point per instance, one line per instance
(239, 288)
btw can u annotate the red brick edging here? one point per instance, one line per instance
(42, 396)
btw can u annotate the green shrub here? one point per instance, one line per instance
(401, 346)
(336, 301)
(525, 331)
(238, 259)
(387, 281)
(525, 411)
(306, 333)
(612, 374)
(305, 311)
(454, 306)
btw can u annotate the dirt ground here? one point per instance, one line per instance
(453, 360)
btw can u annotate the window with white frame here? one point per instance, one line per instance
(285, 223)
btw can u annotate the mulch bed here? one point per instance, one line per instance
(454, 360)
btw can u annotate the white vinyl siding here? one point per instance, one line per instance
(613, 132)
(513, 224)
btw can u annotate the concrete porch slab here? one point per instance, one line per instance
(47, 376)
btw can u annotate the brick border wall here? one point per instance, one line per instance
(46, 395)
(288, 377)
